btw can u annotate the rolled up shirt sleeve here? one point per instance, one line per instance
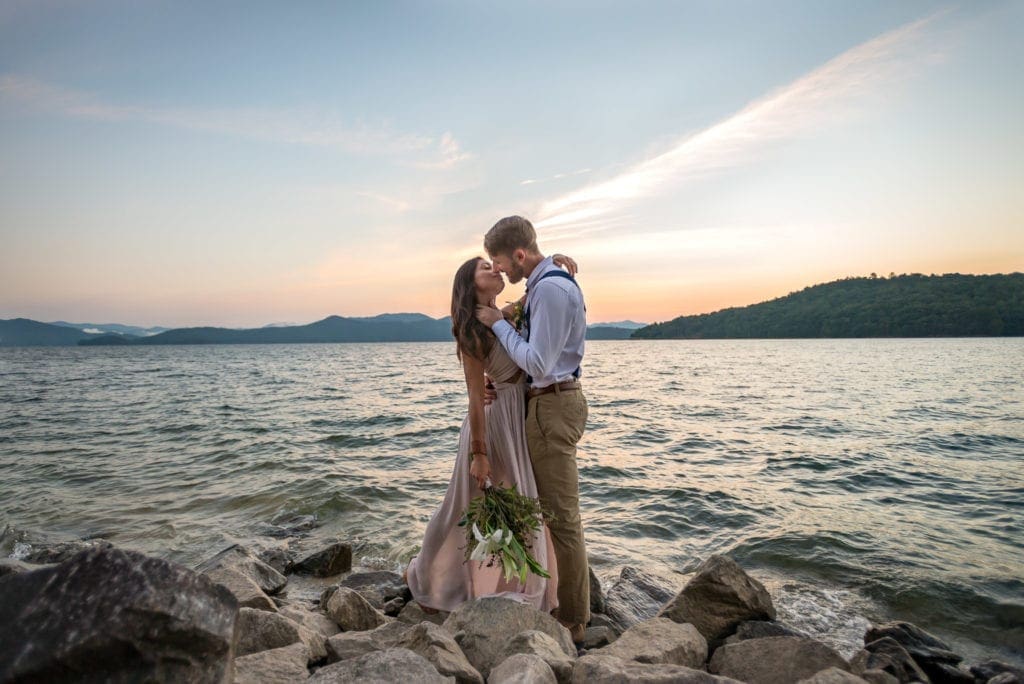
(550, 323)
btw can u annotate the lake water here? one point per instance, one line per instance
(860, 479)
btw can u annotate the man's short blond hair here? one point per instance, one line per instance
(509, 234)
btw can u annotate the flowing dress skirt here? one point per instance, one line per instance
(440, 576)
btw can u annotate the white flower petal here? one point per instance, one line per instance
(478, 534)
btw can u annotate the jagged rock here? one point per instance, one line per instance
(1005, 678)
(381, 667)
(718, 598)
(259, 630)
(378, 587)
(276, 666)
(660, 641)
(774, 660)
(604, 669)
(759, 629)
(333, 560)
(436, 645)
(351, 612)
(483, 627)
(310, 619)
(11, 566)
(239, 559)
(131, 617)
(832, 675)
(888, 655)
(246, 592)
(348, 645)
(289, 526)
(931, 654)
(877, 677)
(533, 642)
(44, 553)
(994, 668)
(636, 596)
(412, 614)
(393, 607)
(598, 637)
(522, 668)
(278, 557)
(596, 593)
(602, 620)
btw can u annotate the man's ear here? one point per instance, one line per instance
(519, 256)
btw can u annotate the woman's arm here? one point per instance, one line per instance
(480, 466)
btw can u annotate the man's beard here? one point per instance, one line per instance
(515, 274)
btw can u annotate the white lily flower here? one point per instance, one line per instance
(480, 553)
(478, 534)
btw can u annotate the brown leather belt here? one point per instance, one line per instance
(566, 386)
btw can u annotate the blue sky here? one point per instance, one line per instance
(243, 163)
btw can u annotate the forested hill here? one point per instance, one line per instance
(915, 305)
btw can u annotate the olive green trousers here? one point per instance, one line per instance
(554, 425)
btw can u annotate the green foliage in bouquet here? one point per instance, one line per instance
(499, 528)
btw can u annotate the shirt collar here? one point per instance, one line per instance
(543, 267)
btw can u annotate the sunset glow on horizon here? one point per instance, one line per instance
(247, 164)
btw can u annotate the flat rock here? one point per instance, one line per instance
(483, 627)
(278, 557)
(605, 669)
(378, 587)
(129, 616)
(276, 666)
(259, 630)
(47, 553)
(832, 675)
(660, 641)
(350, 611)
(718, 598)
(246, 592)
(239, 559)
(533, 642)
(522, 668)
(888, 655)
(381, 667)
(775, 660)
(598, 637)
(327, 562)
(634, 597)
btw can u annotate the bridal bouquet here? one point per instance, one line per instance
(499, 528)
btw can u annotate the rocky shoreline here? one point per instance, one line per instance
(87, 611)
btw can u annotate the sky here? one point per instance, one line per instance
(245, 163)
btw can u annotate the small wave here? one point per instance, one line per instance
(353, 441)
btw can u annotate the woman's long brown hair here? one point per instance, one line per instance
(471, 336)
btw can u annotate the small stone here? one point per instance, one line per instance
(259, 630)
(533, 642)
(598, 637)
(246, 592)
(378, 587)
(413, 614)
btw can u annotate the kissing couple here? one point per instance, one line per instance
(523, 432)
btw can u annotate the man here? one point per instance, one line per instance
(550, 350)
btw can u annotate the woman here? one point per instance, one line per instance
(492, 446)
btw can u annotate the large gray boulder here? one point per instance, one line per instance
(634, 597)
(931, 654)
(533, 642)
(605, 669)
(351, 612)
(120, 613)
(276, 666)
(660, 641)
(242, 561)
(775, 660)
(381, 667)
(378, 587)
(483, 627)
(327, 562)
(759, 629)
(718, 598)
(522, 668)
(833, 675)
(888, 655)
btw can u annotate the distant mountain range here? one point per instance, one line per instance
(400, 327)
(914, 305)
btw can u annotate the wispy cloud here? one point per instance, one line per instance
(297, 127)
(790, 110)
(557, 176)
